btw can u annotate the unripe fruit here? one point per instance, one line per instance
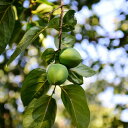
(70, 57)
(57, 74)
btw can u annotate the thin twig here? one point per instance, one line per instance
(60, 32)
(61, 25)
(50, 13)
(53, 90)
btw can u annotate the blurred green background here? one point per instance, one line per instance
(102, 40)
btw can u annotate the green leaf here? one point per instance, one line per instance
(54, 23)
(56, 42)
(7, 22)
(74, 99)
(48, 55)
(84, 70)
(17, 33)
(34, 85)
(27, 39)
(75, 78)
(67, 40)
(40, 113)
(57, 56)
(69, 21)
(43, 8)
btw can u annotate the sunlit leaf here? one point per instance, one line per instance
(27, 39)
(84, 70)
(75, 78)
(43, 8)
(40, 113)
(67, 40)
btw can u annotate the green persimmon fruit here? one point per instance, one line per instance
(57, 74)
(70, 57)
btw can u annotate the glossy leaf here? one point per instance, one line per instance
(40, 113)
(48, 55)
(27, 39)
(84, 70)
(7, 22)
(75, 78)
(54, 23)
(67, 40)
(74, 99)
(69, 21)
(34, 85)
(43, 8)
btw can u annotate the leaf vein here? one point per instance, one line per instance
(46, 110)
(72, 105)
(39, 88)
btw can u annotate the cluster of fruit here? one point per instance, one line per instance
(58, 73)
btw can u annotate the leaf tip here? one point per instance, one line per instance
(6, 66)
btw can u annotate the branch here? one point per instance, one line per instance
(60, 33)
(61, 25)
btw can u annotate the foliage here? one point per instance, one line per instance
(34, 85)
(25, 30)
(73, 105)
(7, 22)
(41, 109)
(40, 113)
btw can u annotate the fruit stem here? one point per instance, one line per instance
(53, 92)
(61, 24)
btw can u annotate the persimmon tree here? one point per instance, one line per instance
(62, 64)
(25, 25)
